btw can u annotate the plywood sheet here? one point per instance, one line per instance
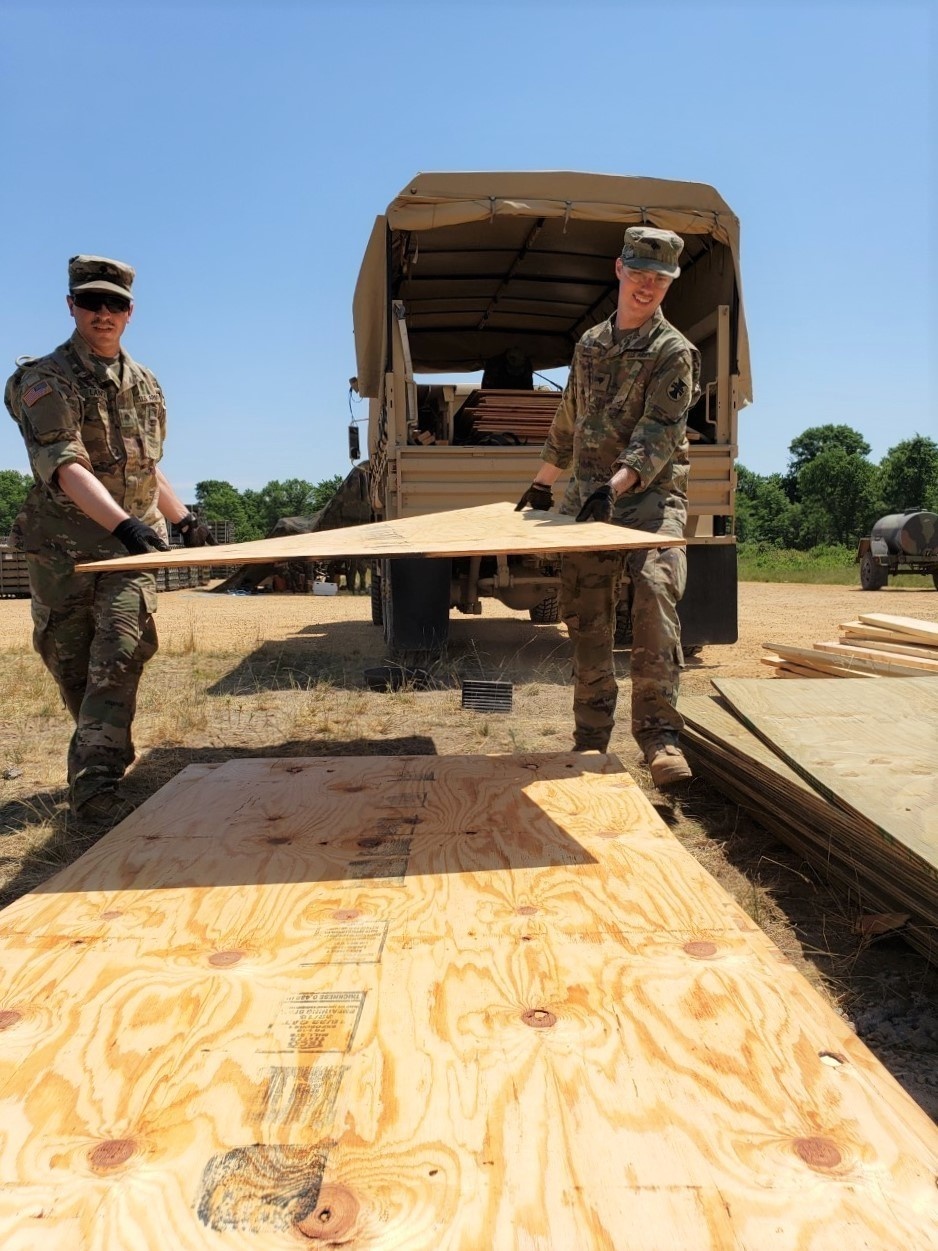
(488, 530)
(429, 1004)
(880, 875)
(871, 748)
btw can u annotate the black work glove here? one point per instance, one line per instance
(536, 496)
(598, 506)
(195, 533)
(138, 538)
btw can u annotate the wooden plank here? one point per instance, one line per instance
(488, 530)
(788, 668)
(873, 753)
(881, 640)
(903, 625)
(895, 659)
(430, 1004)
(854, 665)
(807, 657)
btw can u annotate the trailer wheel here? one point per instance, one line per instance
(377, 616)
(547, 612)
(873, 577)
(934, 579)
(415, 594)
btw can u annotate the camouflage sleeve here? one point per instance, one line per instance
(50, 420)
(662, 427)
(558, 450)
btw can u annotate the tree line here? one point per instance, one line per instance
(831, 493)
(254, 513)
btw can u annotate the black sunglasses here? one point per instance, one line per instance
(94, 301)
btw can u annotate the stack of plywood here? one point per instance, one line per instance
(844, 778)
(429, 1004)
(525, 414)
(876, 645)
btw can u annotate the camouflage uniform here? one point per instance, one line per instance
(93, 632)
(625, 403)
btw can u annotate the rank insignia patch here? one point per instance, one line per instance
(36, 393)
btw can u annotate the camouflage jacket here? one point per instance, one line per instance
(626, 404)
(70, 407)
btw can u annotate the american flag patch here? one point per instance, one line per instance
(36, 393)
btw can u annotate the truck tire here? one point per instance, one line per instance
(377, 616)
(934, 579)
(623, 631)
(547, 612)
(415, 595)
(873, 577)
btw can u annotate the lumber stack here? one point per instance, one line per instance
(525, 414)
(875, 645)
(14, 574)
(846, 780)
(428, 1003)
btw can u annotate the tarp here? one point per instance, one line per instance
(488, 260)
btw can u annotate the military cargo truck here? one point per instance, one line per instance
(500, 274)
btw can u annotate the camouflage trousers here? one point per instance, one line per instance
(94, 634)
(590, 588)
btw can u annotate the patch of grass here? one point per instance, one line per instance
(828, 565)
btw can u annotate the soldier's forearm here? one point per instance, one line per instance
(169, 503)
(88, 494)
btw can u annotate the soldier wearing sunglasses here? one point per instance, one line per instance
(94, 421)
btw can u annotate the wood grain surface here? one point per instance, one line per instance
(880, 874)
(429, 1003)
(870, 747)
(487, 530)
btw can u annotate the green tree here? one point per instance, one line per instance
(324, 491)
(909, 476)
(293, 498)
(14, 487)
(220, 501)
(815, 440)
(764, 513)
(839, 493)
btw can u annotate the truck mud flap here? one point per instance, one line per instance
(708, 611)
(415, 594)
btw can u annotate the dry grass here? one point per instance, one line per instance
(283, 676)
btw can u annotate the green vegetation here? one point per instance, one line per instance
(831, 493)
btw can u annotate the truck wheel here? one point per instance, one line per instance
(934, 579)
(623, 633)
(873, 577)
(547, 612)
(377, 616)
(415, 594)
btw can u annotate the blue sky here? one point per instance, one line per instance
(237, 153)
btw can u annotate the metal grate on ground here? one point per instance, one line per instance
(483, 696)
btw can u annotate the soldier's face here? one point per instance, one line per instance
(640, 293)
(100, 328)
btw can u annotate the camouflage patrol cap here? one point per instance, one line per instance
(647, 248)
(98, 273)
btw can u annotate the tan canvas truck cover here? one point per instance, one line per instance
(554, 286)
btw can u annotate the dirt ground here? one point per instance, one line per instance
(284, 675)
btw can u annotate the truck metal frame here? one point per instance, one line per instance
(461, 268)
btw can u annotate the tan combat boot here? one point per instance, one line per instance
(668, 765)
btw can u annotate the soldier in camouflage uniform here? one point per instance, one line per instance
(93, 421)
(621, 427)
